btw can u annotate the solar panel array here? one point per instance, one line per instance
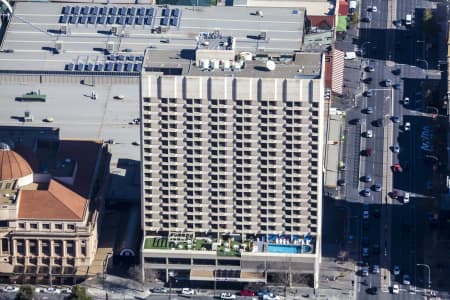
(105, 67)
(105, 15)
(112, 63)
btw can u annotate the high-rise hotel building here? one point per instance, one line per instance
(232, 149)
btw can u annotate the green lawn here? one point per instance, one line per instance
(162, 243)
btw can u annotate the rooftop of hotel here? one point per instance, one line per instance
(262, 64)
(51, 36)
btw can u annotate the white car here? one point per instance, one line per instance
(369, 133)
(227, 296)
(365, 214)
(395, 289)
(271, 297)
(396, 270)
(10, 289)
(374, 9)
(407, 126)
(406, 280)
(406, 101)
(187, 291)
(406, 198)
(51, 290)
(67, 290)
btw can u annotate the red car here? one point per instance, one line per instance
(394, 194)
(247, 293)
(397, 168)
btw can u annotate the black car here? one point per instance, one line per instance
(376, 213)
(341, 182)
(368, 93)
(396, 86)
(365, 224)
(376, 249)
(372, 290)
(367, 80)
(355, 121)
(378, 123)
(365, 20)
(370, 69)
(366, 178)
(365, 240)
(397, 71)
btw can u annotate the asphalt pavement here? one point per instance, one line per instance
(399, 233)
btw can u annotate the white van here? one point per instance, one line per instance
(350, 55)
(408, 19)
(406, 198)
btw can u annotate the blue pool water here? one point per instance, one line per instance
(288, 248)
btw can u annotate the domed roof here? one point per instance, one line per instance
(12, 165)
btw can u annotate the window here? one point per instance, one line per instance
(46, 226)
(22, 225)
(58, 226)
(33, 225)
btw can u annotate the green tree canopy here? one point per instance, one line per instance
(25, 292)
(79, 293)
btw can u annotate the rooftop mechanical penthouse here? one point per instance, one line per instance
(232, 146)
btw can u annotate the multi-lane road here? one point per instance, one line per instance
(397, 229)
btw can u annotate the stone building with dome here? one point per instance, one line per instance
(48, 211)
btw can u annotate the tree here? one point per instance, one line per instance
(25, 293)
(79, 293)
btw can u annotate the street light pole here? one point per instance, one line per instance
(171, 274)
(429, 274)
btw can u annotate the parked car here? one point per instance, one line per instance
(365, 272)
(396, 270)
(376, 269)
(396, 86)
(406, 279)
(159, 290)
(355, 121)
(368, 93)
(378, 123)
(341, 182)
(51, 290)
(373, 9)
(396, 148)
(187, 291)
(366, 192)
(10, 289)
(406, 101)
(395, 289)
(248, 293)
(369, 133)
(388, 82)
(397, 168)
(271, 297)
(370, 69)
(227, 296)
(407, 126)
(365, 214)
(406, 198)
(394, 194)
(365, 252)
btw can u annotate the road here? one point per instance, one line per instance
(399, 231)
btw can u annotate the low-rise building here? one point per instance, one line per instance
(48, 214)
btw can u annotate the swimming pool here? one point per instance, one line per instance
(274, 248)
